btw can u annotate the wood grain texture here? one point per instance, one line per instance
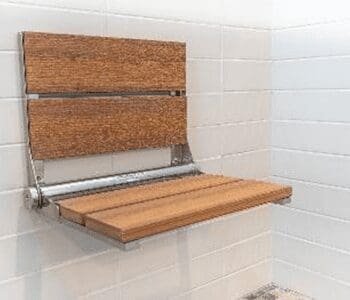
(76, 209)
(140, 220)
(137, 220)
(80, 126)
(61, 63)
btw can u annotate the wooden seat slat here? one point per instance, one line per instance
(76, 208)
(162, 210)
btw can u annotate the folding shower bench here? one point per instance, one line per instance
(93, 95)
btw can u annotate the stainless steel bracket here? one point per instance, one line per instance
(180, 155)
(284, 201)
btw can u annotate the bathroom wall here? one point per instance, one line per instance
(311, 146)
(228, 87)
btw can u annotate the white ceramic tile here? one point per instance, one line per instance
(245, 106)
(163, 284)
(153, 255)
(315, 91)
(319, 137)
(315, 73)
(202, 41)
(298, 12)
(15, 19)
(26, 18)
(321, 199)
(98, 5)
(245, 137)
(246, 43)
(34, 251)
(243, 225)
(318, 168)
(205, 142)
(314, 257)
(203, 76)
(210, 166)
(323, 230)
(210, 12)
(137, 160)
(204, 110)
(319, 40)
(254, 164)
(246, 75)
(308, 283)
(95, 273)
(15, 218)
(250, 279)
(201, 270)
(213, 290)
(311, 105)
(11, 121)
(61, 283)
(10, 79)
(108, 294)
(61, 170)
(247, 253)
(248, 13)
(13, 167)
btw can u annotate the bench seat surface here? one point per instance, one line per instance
(136, 212)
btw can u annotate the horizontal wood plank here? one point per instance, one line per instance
(80, 126)
(62, 63)
(133, 221)
(76, 209)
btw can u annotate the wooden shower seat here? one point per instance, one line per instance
(94, 95)
(137, 212)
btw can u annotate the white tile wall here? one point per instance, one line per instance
(246, 75)
(41, 259)
(98, 5)
(204, 76)
(311, 136)
(316, 105)
(254, 164)
(13, 167)
(10, 79)
(292, 13)
(311, 73)
(249, 280)
(124, 162)
(248, 13)
(204, 110)
(310, 125)
(17, 18)
(288, 249)
(330, 39)
(244, 137)
(309, 282)
(246, 106)
(245, 48)
(61, 170)
(11, 121)
(15, 218)
(202, 41)
(211, 11)
(319, 198)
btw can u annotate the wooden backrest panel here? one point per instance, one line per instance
(79, 126)
(61, 63)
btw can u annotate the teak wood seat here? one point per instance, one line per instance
(141, 211)
(93, 95)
